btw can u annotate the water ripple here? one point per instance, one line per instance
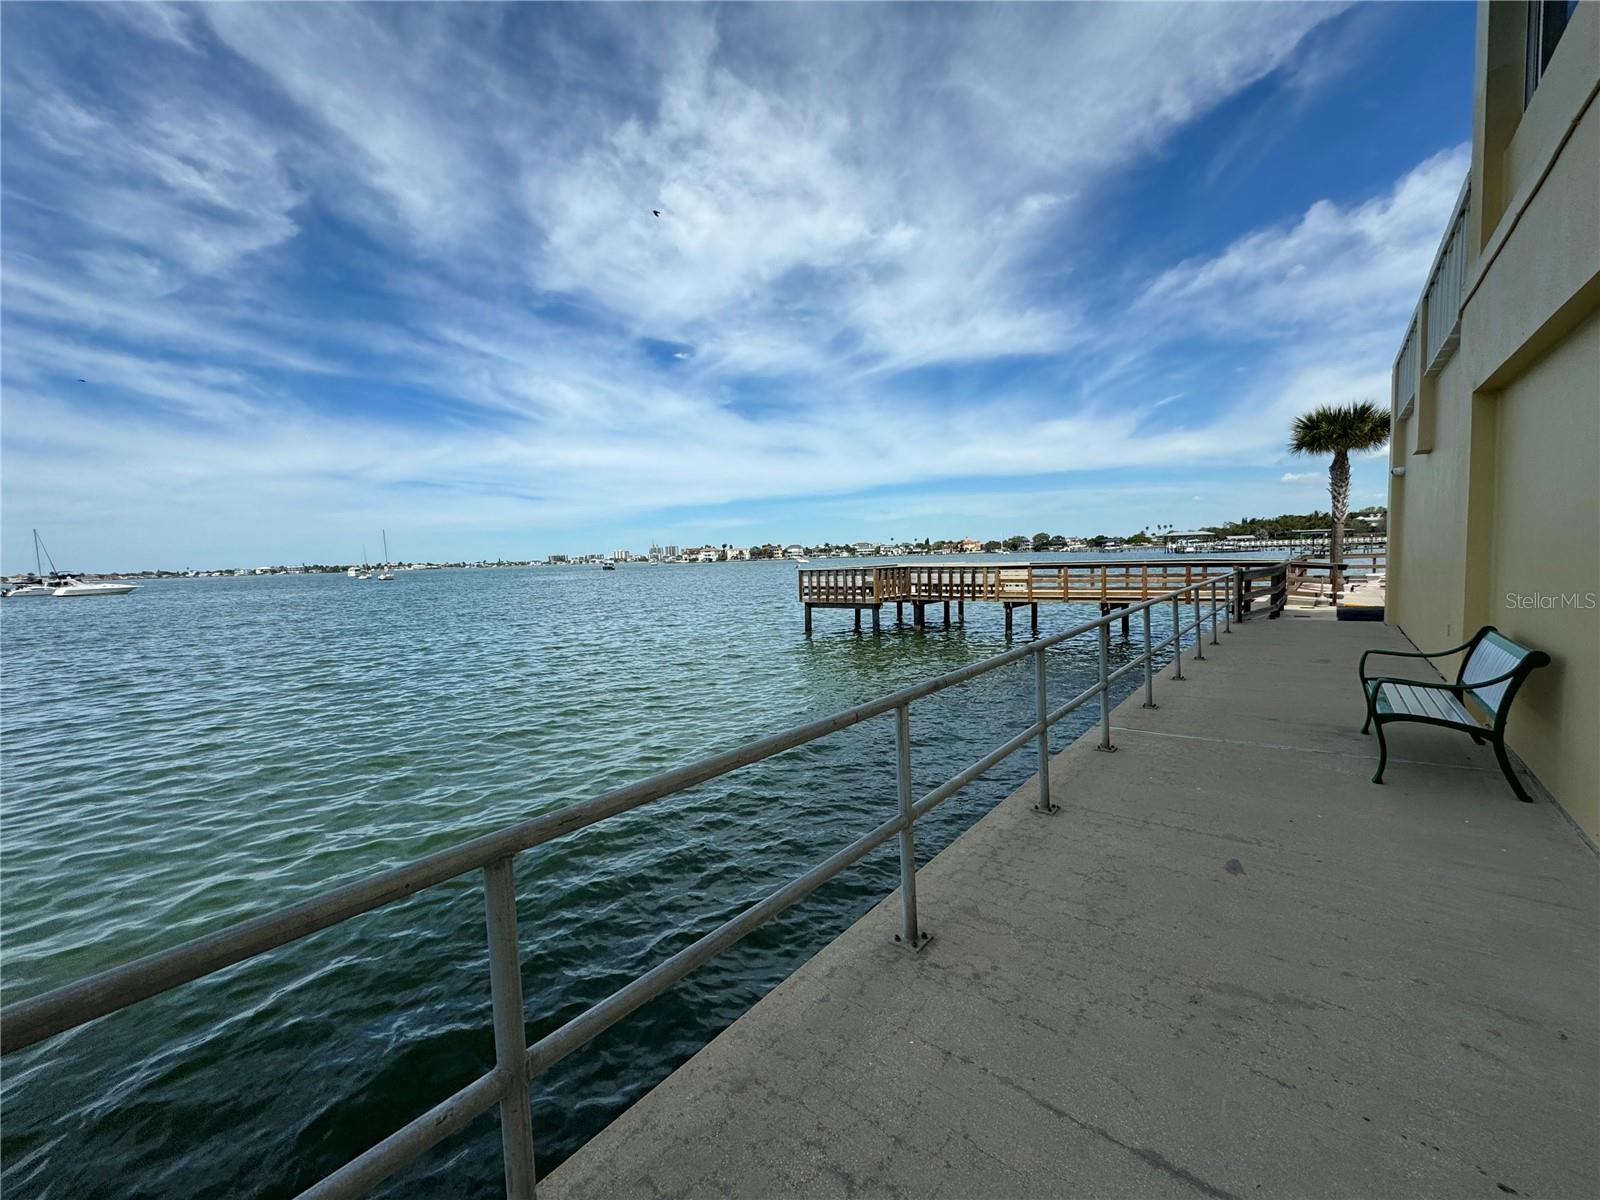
(208, 750)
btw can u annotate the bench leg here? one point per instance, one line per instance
(1367, 728)
(1511, 776)
(1383, 755)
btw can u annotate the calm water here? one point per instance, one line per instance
(207, 750)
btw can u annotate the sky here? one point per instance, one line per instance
(277, 278)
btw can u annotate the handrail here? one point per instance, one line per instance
(30, 1021)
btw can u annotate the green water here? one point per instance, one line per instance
(206, 750)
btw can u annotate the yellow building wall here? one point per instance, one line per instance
(1545, 550)
(1499, 521)
(1428, 520)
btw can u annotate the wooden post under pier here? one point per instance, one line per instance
(1109, 606)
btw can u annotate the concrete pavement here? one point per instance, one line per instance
(1229, 967)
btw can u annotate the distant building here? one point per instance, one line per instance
(794, 551)
(738, 553)
(971, 546)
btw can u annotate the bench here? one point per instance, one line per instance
(1492, 670)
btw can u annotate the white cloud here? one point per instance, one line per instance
(846, 193)
(1337, 268)
(1302, 477)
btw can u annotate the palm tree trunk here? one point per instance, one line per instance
(1339, 502)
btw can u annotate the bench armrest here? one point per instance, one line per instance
(1362, 665)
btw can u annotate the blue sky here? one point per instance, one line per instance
(278, 277)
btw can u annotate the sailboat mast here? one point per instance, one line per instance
(37, 569)
(386, 547)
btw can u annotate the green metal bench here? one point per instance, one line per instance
(1492, 670)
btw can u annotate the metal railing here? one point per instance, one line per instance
(1405, 392)
(1441, 299)
(517, 1064)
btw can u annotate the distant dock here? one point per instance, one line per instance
(1112, 585)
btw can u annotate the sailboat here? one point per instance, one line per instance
(364, 571)
(38, 587)
(386, 574)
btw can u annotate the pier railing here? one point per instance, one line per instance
(851, 587)
(1267, 586)
(1313, 579)
(508, 1085)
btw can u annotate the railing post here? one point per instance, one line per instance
(1105, 686)
(1199, 629)
(1149, 663)
(510, 1033)
(1227, 613)
(909, 934)
(1043, 805)
(1213, 590)
(1177, 639)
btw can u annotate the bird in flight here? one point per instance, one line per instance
(655, 212)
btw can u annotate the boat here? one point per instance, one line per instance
(608, 566)
(802, 561)
(57, 584)
(23, 590)
(37, 585)
(385, 575)
(77, 588)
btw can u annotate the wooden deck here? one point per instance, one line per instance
(1113, 584)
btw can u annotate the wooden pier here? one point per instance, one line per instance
(1111, 584)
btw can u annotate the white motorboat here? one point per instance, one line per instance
(77, 588)
(24, 590)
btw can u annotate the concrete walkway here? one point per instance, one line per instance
(1229, 967)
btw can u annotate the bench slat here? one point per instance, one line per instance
(1415, 701)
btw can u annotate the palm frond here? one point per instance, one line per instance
(1331, 428)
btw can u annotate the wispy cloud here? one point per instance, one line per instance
(326, 268)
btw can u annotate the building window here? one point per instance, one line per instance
(1547, 21)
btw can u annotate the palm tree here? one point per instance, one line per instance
(1337, 429)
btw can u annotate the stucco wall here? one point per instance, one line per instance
(1546, 549)
(1430, 564)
